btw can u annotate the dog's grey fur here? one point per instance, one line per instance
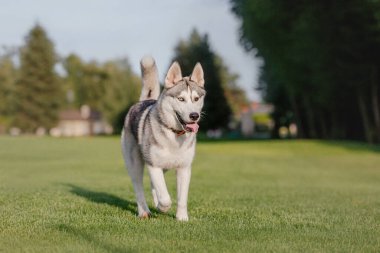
(159, 132)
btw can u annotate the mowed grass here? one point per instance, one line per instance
(74, 195)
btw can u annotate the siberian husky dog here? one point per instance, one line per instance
(160, 132)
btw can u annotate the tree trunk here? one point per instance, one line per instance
(365, 118)
(333, 126)
(375, 102)
(322, 121)
(300, 129)
(310, 119)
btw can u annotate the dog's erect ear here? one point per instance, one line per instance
(197, 75)
(173, 76)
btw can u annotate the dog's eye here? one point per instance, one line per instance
(181, 99)
(196, 99)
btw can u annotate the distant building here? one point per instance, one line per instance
(262, 108)
(3, 129)
(83, 122)
(255, 118)
(247, 123)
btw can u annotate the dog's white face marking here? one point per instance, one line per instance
(183, 97)
(188, 101)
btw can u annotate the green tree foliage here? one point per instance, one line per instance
(123, 89)
(38, 91)
(86, 81)
(108, 87)
(8, 76)
(197, 49)
(321, 63)
(235, 95)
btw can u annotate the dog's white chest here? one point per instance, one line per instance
(171, 156)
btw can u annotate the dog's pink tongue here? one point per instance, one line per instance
(193, 127)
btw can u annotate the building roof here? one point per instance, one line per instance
(74, 114)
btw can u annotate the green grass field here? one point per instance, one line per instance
(74, 195)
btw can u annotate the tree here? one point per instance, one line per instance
(197, 49)
(321, 65)
(86, 80)
(8, 76)
(38, 91)
(236, 96)
(108, 87)
(123, 90)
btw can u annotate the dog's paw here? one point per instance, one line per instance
(164, 206)
(183, 217)
(182, 214)
(163, 209)
(144, 215)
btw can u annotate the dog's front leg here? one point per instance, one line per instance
(183, 182)
(159, 187)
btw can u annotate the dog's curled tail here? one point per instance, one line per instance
(149, 73)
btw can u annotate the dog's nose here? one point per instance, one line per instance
(194, 116)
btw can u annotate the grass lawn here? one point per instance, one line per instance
(74, 195)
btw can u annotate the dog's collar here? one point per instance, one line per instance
(178, 132)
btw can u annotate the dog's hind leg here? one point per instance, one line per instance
(135, 167)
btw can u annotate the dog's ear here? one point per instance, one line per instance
(173, 76)
(197, 75)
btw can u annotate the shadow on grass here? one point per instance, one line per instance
(110, 199)
(98, 243)
(352, 145)
(103, 198)
(346, 144)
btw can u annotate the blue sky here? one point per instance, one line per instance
(103, 30)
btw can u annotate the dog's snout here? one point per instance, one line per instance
(194, 116)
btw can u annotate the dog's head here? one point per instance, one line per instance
(184, 96)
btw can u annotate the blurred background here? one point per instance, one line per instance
(273, 69)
